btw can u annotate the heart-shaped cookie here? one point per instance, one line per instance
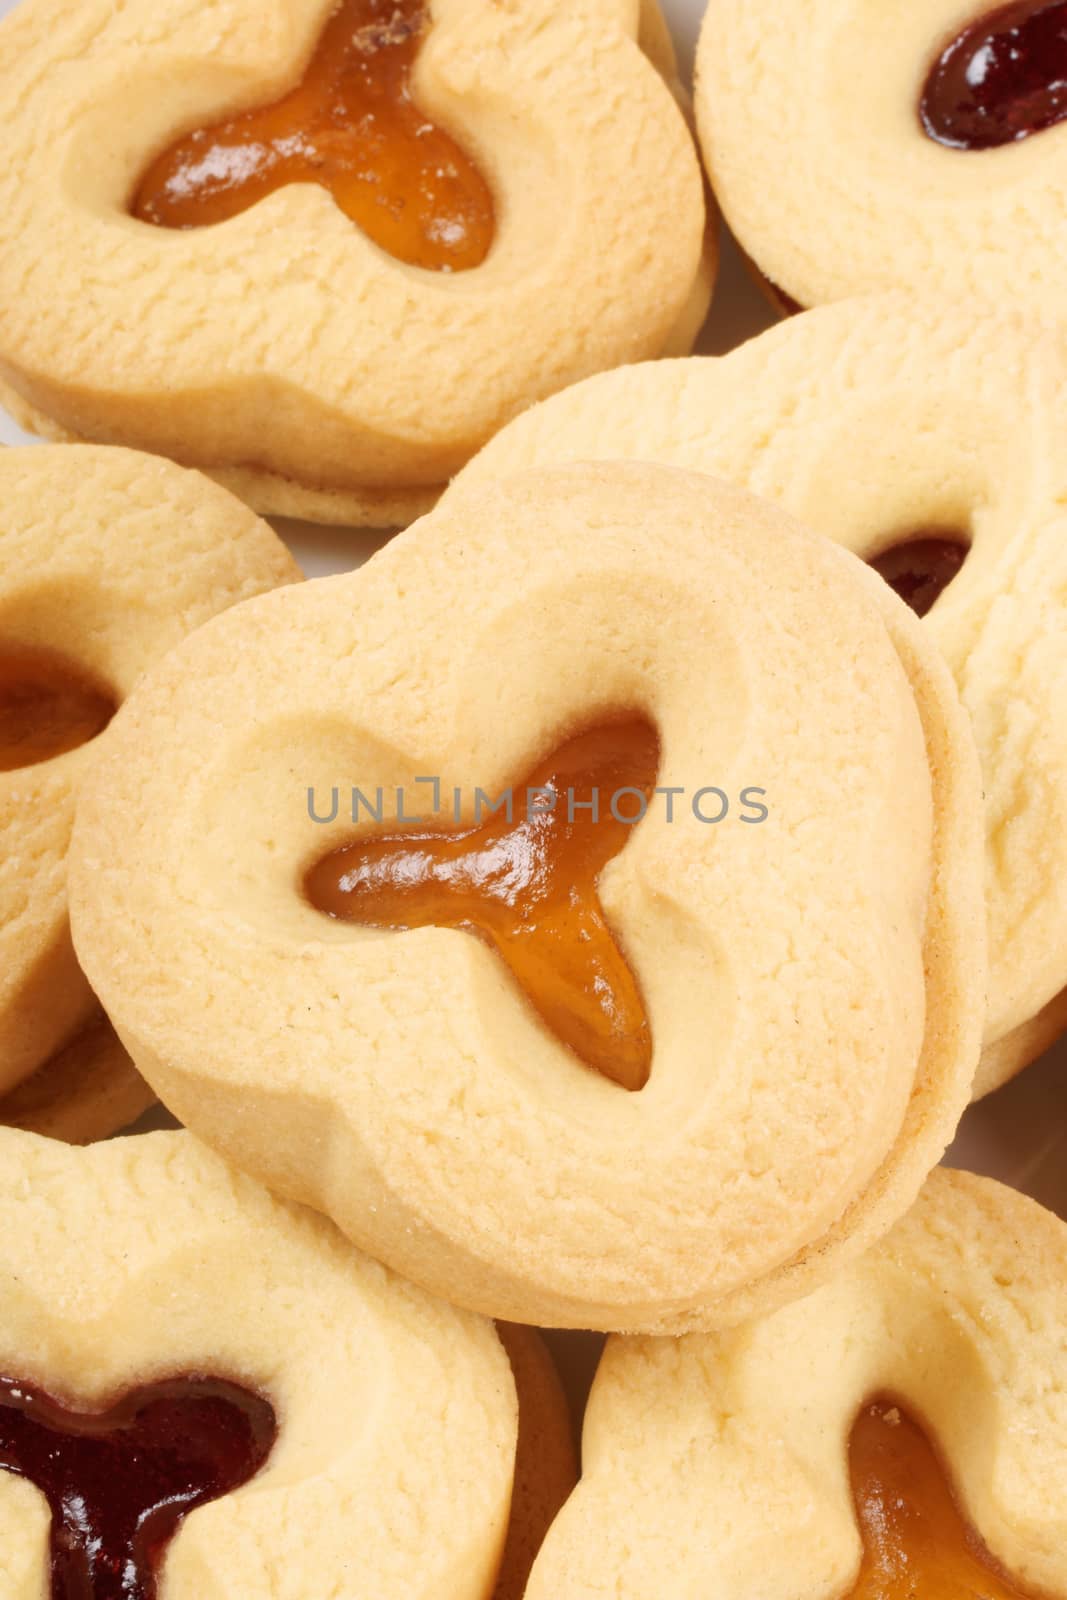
(813, 981)
(903, 1431)
(218, 1395)
(283, 349)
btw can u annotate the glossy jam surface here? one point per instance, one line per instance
(1002, 79)
(47, 706)
(119, 1482)
(916, 1543)
(920, 569)
(351, 126)
(528, 887)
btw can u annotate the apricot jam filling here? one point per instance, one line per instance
(48, 706)
(920, 568)
(916, 1542)
(352, 126)
(1003, 78)
(119, 1482)
(527, 885)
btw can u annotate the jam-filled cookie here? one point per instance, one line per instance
(929, 441)
(107, 559)
(322, 249)
(206, 1391)
(591, 887)
(855, 146)
(900, 1433)
(85, 1090)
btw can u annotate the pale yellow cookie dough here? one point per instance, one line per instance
(717, 1465)
(870, 421)
(283, 351)
(814, 985)
(88, 1090)
(810, 129)
(147, 1258)
(108, 557)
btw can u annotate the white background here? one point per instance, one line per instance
(1020, 1134)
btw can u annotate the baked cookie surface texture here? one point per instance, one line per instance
(853, 148)
(926, 438)
(902, 1431)
(324, 251)
(562, 1067)
(352, 1434)
(107, 559)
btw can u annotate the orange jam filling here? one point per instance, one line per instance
(351, 126)
(527, 885)
(915, 1538)
(47, 706)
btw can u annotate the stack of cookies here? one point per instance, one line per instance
(595, 914)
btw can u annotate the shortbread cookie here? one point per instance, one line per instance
(855, 147)
(721, 1465)
(107, 559)
(880, 423)
(335, 1429)
(330, 298)
(87, 1090)
(798, 998)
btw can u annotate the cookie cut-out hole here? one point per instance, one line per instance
(1000, 80)
(48, 705)
(920, 567)
(351, 126)
(527, 885)
(916, 1540)
(119, 1482)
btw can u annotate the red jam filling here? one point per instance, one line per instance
(1002, 79)
(917, 1544)
(528, 887)
(47, 706)
(352, 126)
(920, 569)
(118, 1482)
